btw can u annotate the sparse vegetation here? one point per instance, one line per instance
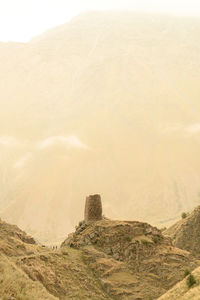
(191, 281)
(183, 215)
(15, 282)
(128, 238)
(181, 291)
(155, 239)
(145, 242)
(174, 237)
(96, 256)
(186, 273)
(185, 233)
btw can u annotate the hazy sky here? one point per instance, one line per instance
(20, 20)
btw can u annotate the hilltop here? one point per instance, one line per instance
(132, 260)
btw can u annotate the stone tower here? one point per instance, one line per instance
(93, 208)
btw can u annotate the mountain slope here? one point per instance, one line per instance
(185, 233)
(102, 260)
(30, 271)
(181, 292)
(15, 284)
(132, 260)
(109, 97)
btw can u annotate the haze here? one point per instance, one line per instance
(106, 103)
(20, 20)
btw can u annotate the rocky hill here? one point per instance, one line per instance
(31, 271)
(101, 260)
(185, 233)
(109, 97)
(16, 284)
(132, 260)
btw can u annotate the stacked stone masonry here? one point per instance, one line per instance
(93, 208)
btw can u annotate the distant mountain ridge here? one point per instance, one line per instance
(106, 103)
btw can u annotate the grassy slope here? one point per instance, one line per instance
(30, 271)
(15, 284)
(181, 292)
(185, 233)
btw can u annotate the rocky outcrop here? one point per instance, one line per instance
(31, 271)
(131, 252)
(14, 241)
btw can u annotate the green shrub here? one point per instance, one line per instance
(145, 242)
(186, 273)
(190, 281)
(184, 215)
(128, 238)
(155, 239)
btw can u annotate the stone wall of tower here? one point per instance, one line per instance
(93, 208)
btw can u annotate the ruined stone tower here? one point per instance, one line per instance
(93, 208)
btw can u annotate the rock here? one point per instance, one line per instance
(108, 250)
(92, 235)
(116, 256)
